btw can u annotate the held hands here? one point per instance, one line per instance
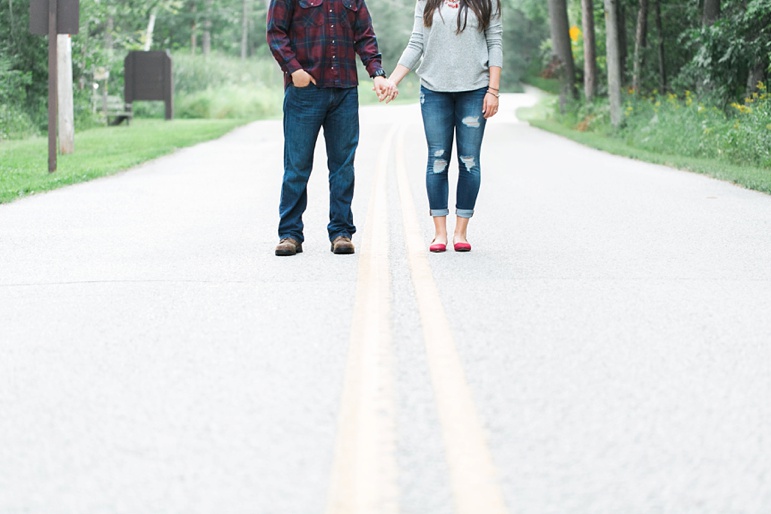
(385, 89)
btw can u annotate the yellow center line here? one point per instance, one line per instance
(473, 476)
(364, 474)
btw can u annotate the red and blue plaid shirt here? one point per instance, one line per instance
(323, 37)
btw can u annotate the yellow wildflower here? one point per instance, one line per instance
(741, 108)
(575, 33)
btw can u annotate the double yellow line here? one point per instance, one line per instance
(364, 477)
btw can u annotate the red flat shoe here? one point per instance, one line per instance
(437, 248)
(462, 247)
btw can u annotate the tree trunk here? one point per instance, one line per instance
(194, 31)
(662, 62)
(244, 29)
(108, 44)
(614, 61)
(590, 50)
(622, 39)
(560, 36)
(757, 73)
(640, 44)
(149, 33)
(711, 12)
(206, 43)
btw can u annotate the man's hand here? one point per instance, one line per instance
(385, 89)
(302, 78)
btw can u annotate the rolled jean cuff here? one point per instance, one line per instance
(464, 213)
(439, 212)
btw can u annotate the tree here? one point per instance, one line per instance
(614, 61)
(622, 39)
(562, 51)
(244, 28)
(640, 43)
(590, 49)
(711, 12)
(660, 48)
(207, 28)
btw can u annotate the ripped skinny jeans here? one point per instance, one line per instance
(446, 115)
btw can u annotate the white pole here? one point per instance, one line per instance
(66, 111)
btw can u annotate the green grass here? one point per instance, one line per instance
(98, 152)
(745, 174)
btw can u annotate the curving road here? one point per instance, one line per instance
(605, 347)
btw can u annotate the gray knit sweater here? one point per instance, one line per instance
(453, 62)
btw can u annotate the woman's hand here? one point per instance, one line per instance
(490, 104)
(385, 89)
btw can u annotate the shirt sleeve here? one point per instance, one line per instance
(365, 41)
(279, 19)
(494, 36)
(414, 50)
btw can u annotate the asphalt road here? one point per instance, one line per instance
(604, 348)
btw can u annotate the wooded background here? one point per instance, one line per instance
(716, 49)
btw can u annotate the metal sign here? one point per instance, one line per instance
(67, 17)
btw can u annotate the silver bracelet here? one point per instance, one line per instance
(495, 95)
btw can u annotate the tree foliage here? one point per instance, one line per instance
(723, 59)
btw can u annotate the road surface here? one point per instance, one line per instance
(605, 347)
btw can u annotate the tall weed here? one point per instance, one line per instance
(685, 125)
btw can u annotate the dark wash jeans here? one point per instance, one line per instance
(306, 111)
(445, 115)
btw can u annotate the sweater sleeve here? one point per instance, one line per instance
(414, 50)
(494, 36)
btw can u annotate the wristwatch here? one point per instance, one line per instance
(379, 73)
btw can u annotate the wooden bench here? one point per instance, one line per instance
(116, 111)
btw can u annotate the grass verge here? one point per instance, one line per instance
(99, 152)
(751, 177)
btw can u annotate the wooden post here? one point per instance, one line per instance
(66, 109)
(52, 84)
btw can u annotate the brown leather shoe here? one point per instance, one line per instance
(342, 245)
(289, 246)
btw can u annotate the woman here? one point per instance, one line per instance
(460, 43)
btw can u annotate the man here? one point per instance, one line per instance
(315, 43)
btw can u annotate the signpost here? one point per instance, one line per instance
(53, 17)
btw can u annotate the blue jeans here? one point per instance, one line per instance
(445, 115)
(306, 111)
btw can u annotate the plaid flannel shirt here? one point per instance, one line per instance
(323, 37)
